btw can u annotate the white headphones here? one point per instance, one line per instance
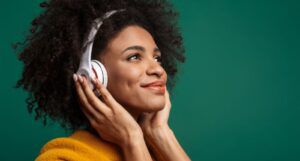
(93, 68)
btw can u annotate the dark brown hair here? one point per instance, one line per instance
(52, 50)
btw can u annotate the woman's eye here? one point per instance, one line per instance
(133, 57)
(138, 56)
(158, 59)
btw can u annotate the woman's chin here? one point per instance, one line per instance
(146, 106)
(152, 107)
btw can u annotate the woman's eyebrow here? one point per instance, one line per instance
(136, 47)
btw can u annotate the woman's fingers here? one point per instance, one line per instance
(163, 114)
(92, 99)
(83, 100)
(90, 112)
(105, 94)
(167, 98)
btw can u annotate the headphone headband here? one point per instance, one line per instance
(85, 67)
(97, 24)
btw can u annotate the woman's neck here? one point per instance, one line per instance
(135, 114)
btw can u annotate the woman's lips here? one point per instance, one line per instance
(157, 89)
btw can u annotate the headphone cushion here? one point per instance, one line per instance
(99, 72)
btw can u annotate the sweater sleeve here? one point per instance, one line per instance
(67, 149)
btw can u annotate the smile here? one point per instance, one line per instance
(156, 89)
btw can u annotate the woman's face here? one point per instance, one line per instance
(132, 59)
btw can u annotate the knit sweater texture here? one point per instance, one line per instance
(80, 146)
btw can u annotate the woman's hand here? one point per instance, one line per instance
(153, 123)
(112, 122)
(160, 138)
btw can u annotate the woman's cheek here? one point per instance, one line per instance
(123, 78)
(132, 75)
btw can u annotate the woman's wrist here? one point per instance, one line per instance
(135, 149)
(132, 138)
(165, 146)
(157, 134)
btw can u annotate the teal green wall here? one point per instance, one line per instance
(237, 97)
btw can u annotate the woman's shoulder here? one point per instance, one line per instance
(82, 145)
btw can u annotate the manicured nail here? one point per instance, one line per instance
(100, 84)
(80, 78)
(75, 77)
(94, 80)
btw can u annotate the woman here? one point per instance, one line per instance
(138, 47)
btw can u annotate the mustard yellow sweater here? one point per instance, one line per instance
(80, 146)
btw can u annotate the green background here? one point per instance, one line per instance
(237, 96)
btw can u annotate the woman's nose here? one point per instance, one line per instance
(155, 68)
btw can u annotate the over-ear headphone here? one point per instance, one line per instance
(93, 68)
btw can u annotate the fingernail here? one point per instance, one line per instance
(80, 78)
(75, 77)
(98, 81)
(94, 80)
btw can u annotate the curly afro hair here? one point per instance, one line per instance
(51, 51)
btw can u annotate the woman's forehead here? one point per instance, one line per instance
(131, 36)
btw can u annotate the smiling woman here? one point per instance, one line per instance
(139, 48)
(133, 71)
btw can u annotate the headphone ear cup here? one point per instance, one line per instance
(99, 72)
